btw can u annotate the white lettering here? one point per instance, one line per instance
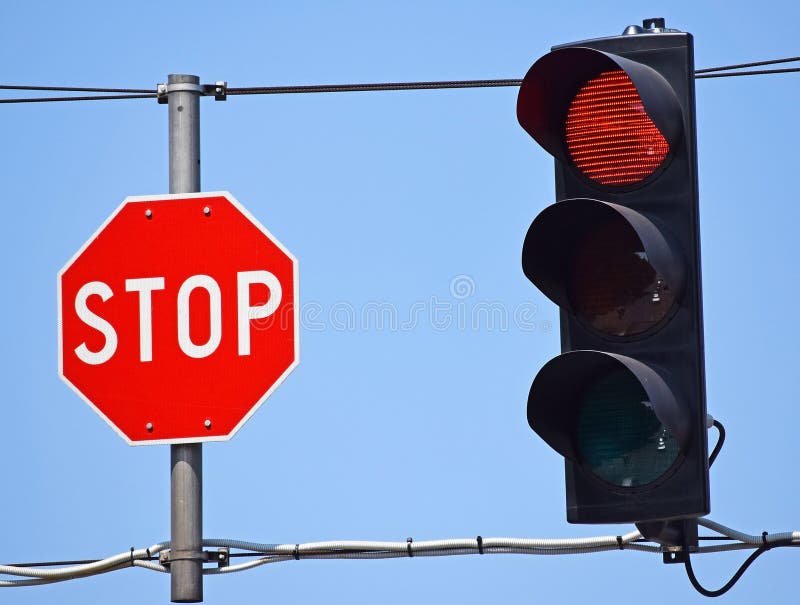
(215, 316)
(245, 312)
(95, 321)
(145, 286)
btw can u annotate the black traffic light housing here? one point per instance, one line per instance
(619, 252)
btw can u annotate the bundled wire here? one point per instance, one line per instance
(262, 554)
(761, 544)
(138, 558)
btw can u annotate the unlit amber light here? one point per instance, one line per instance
(610, 137)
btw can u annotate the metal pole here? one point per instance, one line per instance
(186, 552)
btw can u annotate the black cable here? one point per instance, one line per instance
(720, 441)
(765, 546)
(143, 93)
(267, 90)
(744, 65)
(74, 562)
(273, 90)
(739, 572)
(233, 555)
(73, 89)
(721, 538)
(53, 563)
(396, 86)
(92, 98)
(748, 73)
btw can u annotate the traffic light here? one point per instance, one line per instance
(619, 253)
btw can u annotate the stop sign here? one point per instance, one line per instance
(178, 318)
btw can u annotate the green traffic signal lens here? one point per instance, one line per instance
(618, 436)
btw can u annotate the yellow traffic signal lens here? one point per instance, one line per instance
(612, 285)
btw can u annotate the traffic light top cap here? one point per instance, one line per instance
(554, 80)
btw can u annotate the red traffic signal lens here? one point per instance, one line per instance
(612, 285)
(609, 136)
(618, 436)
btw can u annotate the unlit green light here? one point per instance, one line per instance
(619, 437)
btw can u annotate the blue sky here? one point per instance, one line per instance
(415, 203)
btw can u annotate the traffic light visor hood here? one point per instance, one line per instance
(612, 415)
(607, 264)
(613, 119)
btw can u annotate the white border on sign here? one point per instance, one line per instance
(296, 292)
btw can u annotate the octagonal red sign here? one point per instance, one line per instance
(178, 318)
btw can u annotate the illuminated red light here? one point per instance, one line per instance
(610, 137)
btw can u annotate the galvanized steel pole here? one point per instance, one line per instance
(186, 552)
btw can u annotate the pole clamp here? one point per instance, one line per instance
(221, 556)
(218, 90)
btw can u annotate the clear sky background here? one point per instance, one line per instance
(402, 200)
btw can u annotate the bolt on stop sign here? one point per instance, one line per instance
(178, 318)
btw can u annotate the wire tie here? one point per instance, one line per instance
(620, 543)
(296, 552)
(408, 546)
(480, 545)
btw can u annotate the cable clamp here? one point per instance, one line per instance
(219, 90)
(480, 545)
(764, 540)
(223, 557)
(620, 543)
(296, 552)
(131, 556)
(408, 546)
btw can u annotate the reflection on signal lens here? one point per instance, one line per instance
(618, 436)
(612, 286)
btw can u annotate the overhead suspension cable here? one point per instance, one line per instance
(86, 98)
(724, 71)
(746, 65)
(759, 72)
(73, 89)
(383, 86)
